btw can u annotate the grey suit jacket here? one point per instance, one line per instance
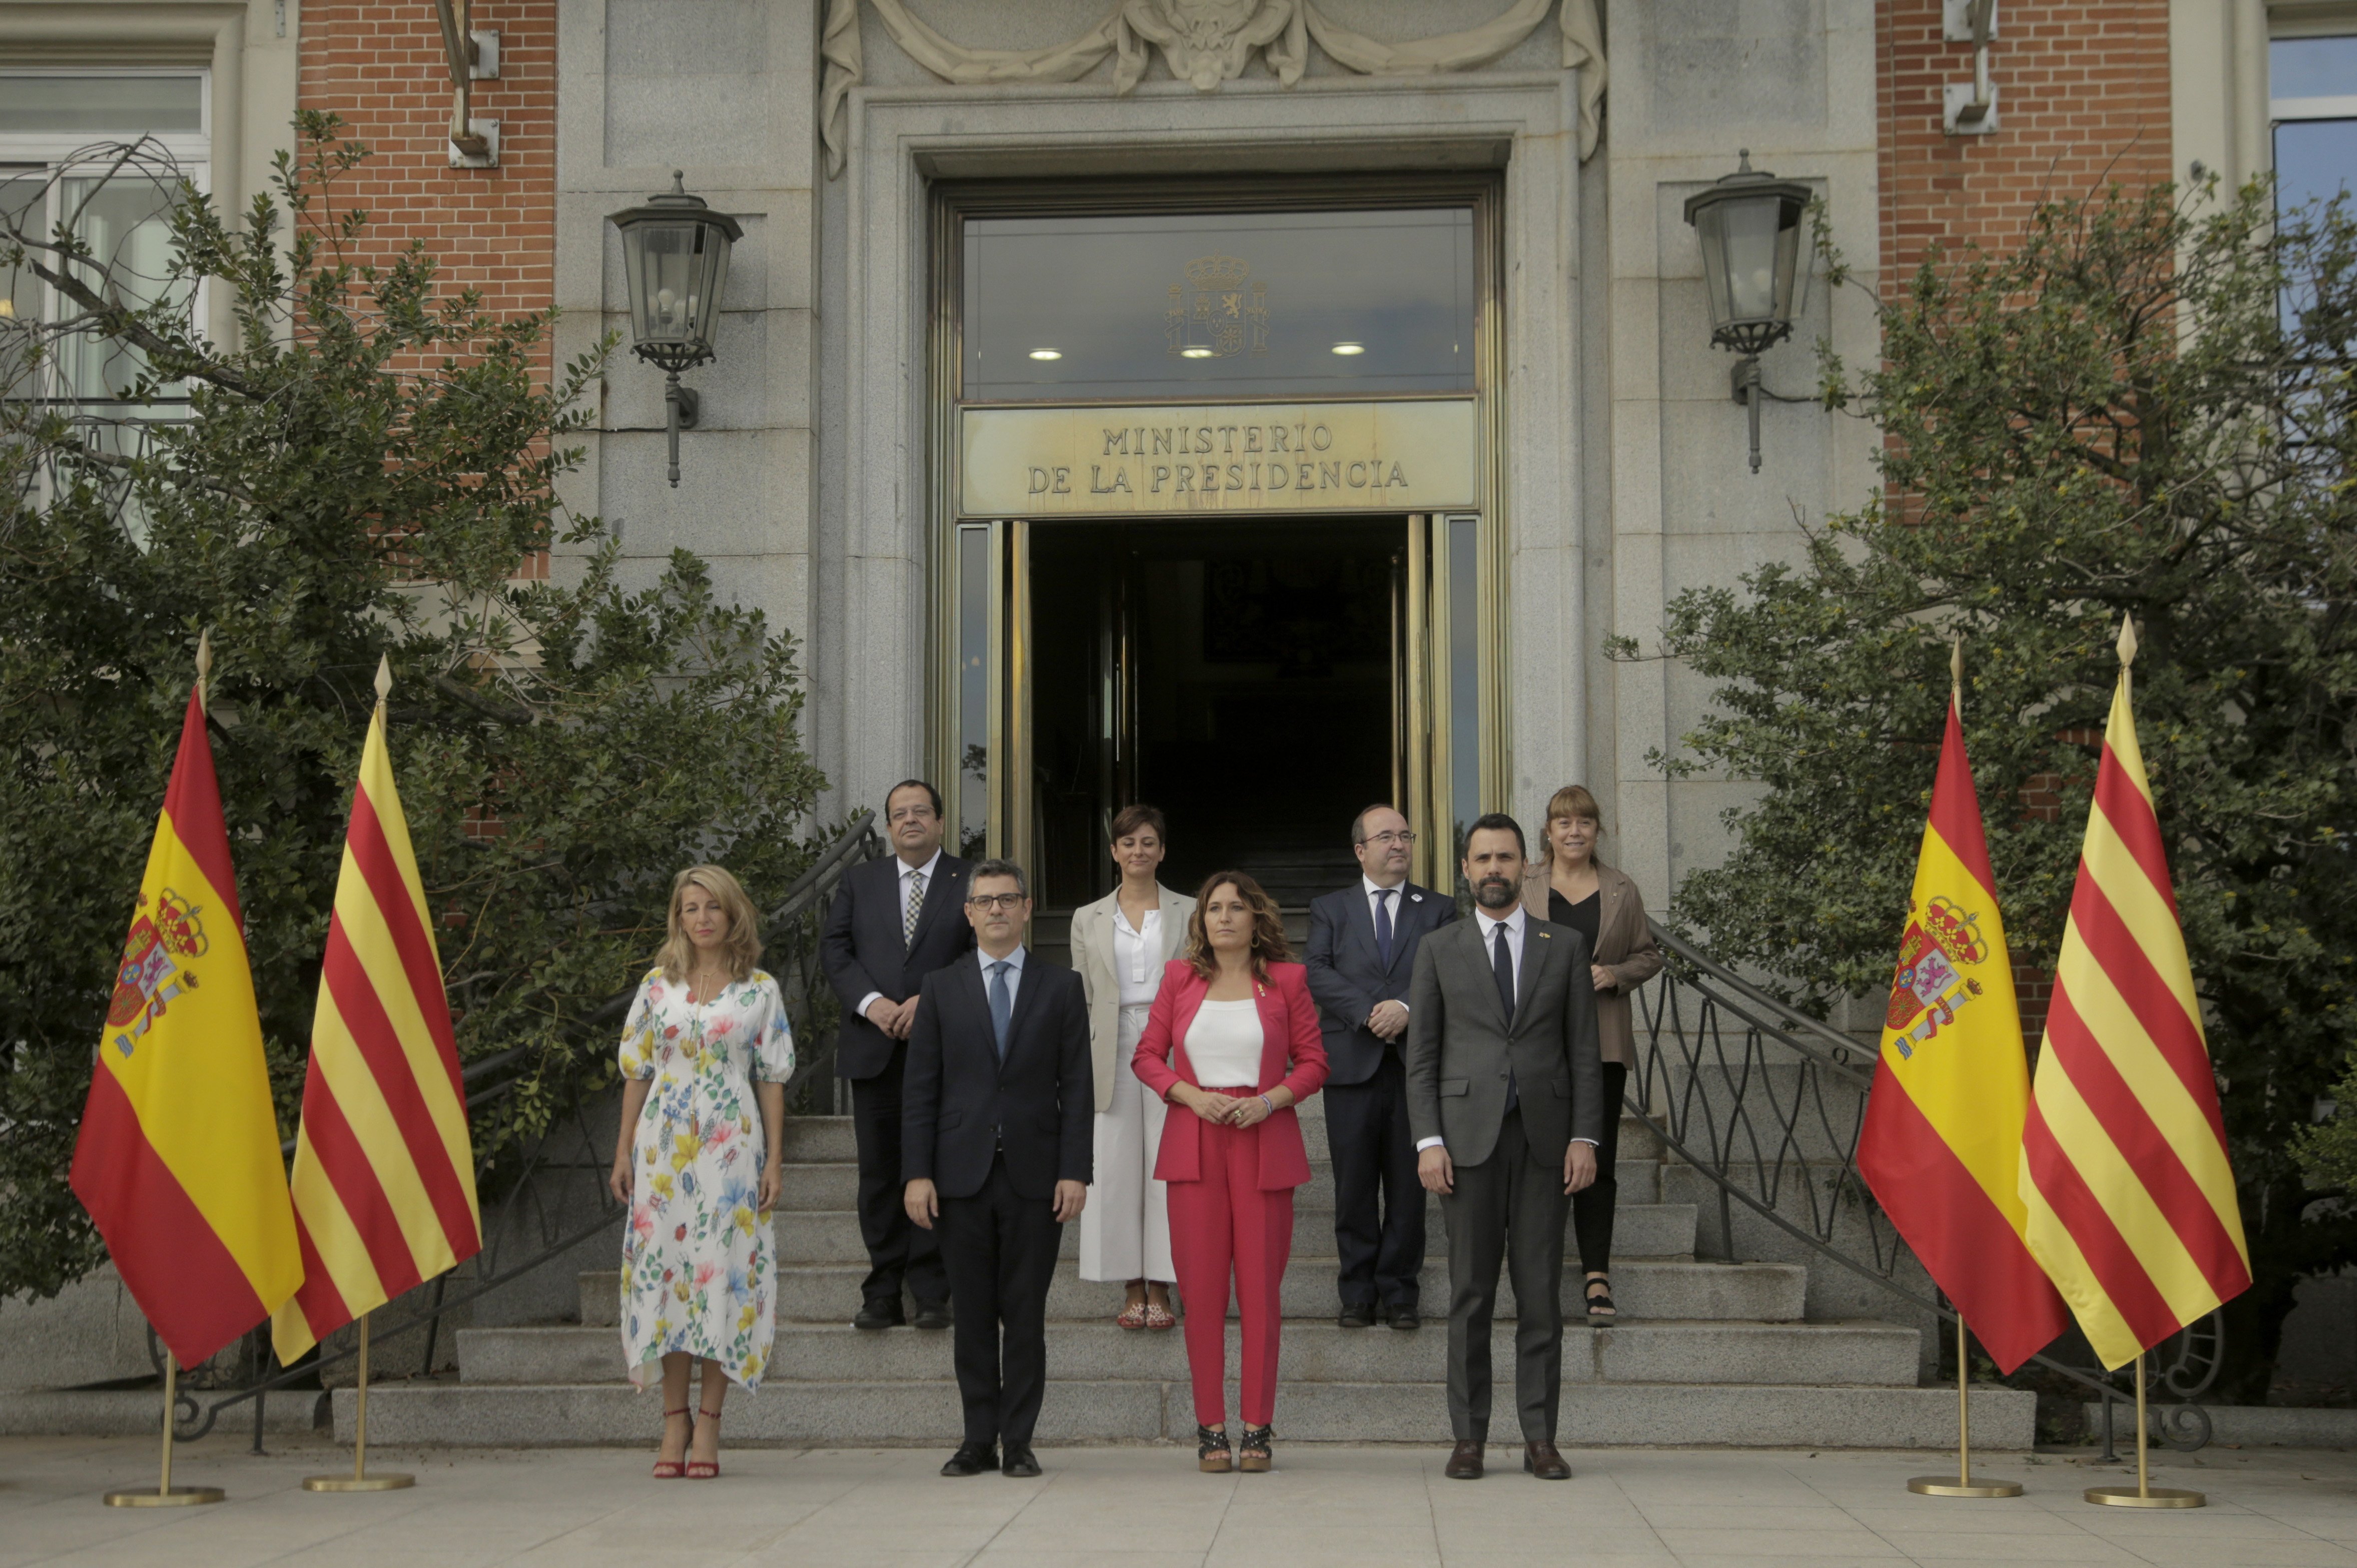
(1459, 1044)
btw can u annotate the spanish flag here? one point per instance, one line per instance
(384, 1173)
(2131, 1205)
(177, 1160)
(1941, 1144)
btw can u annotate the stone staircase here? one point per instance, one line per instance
(1712, 1354)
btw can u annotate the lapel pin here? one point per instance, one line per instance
(1415, 897)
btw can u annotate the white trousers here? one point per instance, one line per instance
(1125, 1227)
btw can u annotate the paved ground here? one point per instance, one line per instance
(1147, 1508)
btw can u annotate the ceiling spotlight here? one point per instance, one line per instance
(1198, 353)
(1047, 353)
(1346, 348)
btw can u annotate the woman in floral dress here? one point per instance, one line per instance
(705, 1056)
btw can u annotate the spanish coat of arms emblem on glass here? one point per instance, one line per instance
(1218, 311)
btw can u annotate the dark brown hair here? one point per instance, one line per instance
(1268, 943)
(1129, 819)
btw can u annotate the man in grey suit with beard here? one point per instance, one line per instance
(1505, 1097)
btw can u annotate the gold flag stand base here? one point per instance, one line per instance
(359, 1480)
(1963, 1485)
(166, 1495)
(2144, 1494)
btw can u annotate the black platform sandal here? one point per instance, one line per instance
(1212, 1452)
(1253, 1455)
(1599, 1303)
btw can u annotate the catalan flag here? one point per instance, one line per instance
(2132, 1206)
(384, 1173)
(1941, 1144)
(177, 1157)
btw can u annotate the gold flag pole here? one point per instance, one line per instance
(2144, 1494)
(166, 1495)
(1964, 1486)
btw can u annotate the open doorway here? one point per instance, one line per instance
(1245, 675)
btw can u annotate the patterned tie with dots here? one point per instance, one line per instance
(916, 907)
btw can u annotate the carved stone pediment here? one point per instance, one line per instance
(1205, 43)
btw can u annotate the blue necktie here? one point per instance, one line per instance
(1384, 925)
(1502, 966)
(1002, 1006)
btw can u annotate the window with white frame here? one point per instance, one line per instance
(61, 135)
(2312, 114)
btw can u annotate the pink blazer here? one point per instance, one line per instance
(1288, 1022)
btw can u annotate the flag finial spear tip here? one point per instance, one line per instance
(383, 676)
(1957, 663)
(2127, 643)
(204, 653)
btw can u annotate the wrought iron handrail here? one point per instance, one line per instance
(791, 956)
(1770, 1110)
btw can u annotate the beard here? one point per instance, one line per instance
(1496, 893)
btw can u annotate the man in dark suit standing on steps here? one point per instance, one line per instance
(1362, 954)
(893, 922)
(999, 1145)
(1506, 1095)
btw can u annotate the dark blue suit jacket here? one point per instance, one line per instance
(960, 1107)
(861, 949)
(1348, 977)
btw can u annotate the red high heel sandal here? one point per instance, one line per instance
(672, 1470)
(704, 1469)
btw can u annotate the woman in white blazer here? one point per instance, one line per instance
(1119, 944)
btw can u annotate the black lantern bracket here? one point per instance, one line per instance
(671, 322)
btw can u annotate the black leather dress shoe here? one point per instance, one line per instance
(1541, 1460)
(973, 1459)
(879, 1314)
(932, 1314)
(1357, 1315)
(1465, 1461)
(1404, 1317)
(1019, 1463)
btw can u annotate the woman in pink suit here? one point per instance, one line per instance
(1233, 1038)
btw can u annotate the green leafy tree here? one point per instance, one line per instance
(362, 470)
(2140, 409)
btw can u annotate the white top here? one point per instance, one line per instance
(1223, 1044)
(1137, 958)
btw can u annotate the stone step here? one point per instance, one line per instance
(863, 1414)
(1313, 1350)
(829, 1138)
(1649, 1288)
(812, 1187)
(1640, 1231)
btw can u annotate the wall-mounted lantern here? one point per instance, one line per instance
(1755, 269)
(675, 259)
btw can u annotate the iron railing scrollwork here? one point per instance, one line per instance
(1767, 1103)
(550, 1183)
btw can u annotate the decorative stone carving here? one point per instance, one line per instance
(1206, 43)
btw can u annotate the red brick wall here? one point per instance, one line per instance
(2083, 99)
(380, 65)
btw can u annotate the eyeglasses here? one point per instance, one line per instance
(1398, 836)
(986, 902)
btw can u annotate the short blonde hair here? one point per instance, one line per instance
(1571, 800)
(677, 959)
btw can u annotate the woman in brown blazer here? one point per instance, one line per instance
(1570, 886)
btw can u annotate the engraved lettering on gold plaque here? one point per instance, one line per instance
(1406, 455)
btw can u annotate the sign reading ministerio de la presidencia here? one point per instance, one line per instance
(1392, 456)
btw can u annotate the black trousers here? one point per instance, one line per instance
(1507, 1209)
(1592, 1207)
(1001, 1251)
(897, 1251)
(1378, 1202)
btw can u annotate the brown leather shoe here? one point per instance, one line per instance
(1465, 1461)
(1541, 1460)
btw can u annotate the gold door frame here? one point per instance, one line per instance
(1425, 707)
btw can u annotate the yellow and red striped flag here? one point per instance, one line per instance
(1942, 1144)
(177, 1157)
(384, 1173)
(2131, 1205)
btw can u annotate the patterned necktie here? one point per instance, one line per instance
(1502, 966)
(1384, 925)
(1002, 1006)
(916, 906)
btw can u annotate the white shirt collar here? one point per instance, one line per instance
(1015, 958)
(927, 868)
(1368, 886)
(1512, 920)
